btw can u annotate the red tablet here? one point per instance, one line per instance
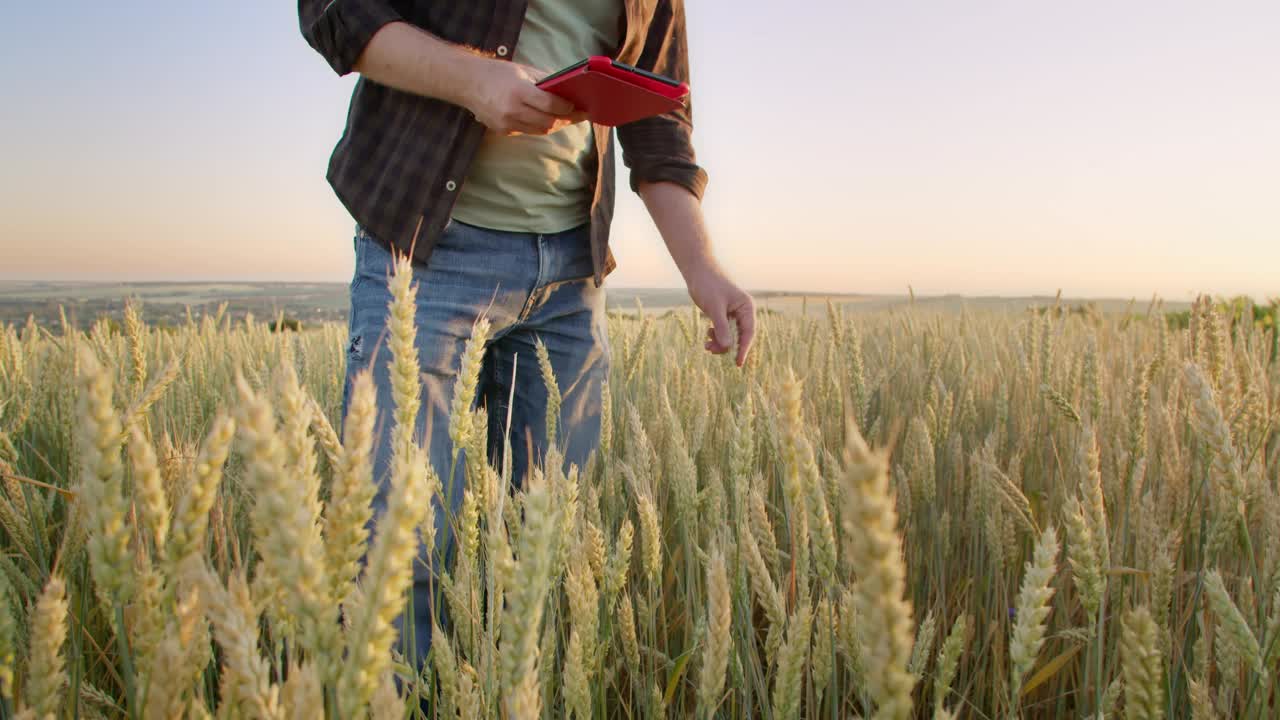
(613, 93)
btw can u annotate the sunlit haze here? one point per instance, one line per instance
(1104, 148)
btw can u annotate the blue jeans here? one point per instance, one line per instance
(529, 286)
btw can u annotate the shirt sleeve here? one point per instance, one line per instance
(660, 148)
(340, 29)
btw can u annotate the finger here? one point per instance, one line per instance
(545, 102)
(533, 122)
(560, 124)
(722, 337)
(724, 333)
(710, 343)
(517, 127)
(745, 317)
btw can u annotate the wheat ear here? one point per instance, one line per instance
(388, 575)
(46, 670)
(347, 514)
(790, 676)
(1033, 609)
(875, 554)
(101, 492)
(715, 655)
(1235, 628)
(527, 589)
(1141, 663)
(148, 488)
(192, 513)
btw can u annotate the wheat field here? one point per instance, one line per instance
(899, 514)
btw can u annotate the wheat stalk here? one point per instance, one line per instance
(1236, 631)
(46, 672)
(191, 517)
(875, 553)
(8, 636)
(1140, 656)
(791, 661)
(464, 385)
(1033, 609)
(346, 519)
(949, 661)
(527, 587)
(388, 576)
(101, 492)
(715, 655)
(148, 487)
(286, 523)
(246, 676)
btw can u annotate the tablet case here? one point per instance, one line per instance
(612, 94)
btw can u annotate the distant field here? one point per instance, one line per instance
(168, 303)
(311, 303)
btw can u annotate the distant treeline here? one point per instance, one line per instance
(1236, 308)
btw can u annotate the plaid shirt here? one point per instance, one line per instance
(403, 157)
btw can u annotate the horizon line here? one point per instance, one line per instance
(1055, 295)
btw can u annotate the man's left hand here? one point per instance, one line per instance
(725, 303)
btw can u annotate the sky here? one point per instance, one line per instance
(980, 147)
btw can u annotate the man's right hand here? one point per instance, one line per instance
(506, 99)
(503, 95)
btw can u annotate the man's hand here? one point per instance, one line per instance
(507, 100)
(502, 95)
(678, 215)
(728, 306)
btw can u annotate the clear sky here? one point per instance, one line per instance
(1105, 148)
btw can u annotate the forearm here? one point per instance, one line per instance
(677, 213)
(408, 58)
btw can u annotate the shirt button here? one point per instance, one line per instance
(451, 186)
(502, 51)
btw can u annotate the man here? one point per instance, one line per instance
(504, 196)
